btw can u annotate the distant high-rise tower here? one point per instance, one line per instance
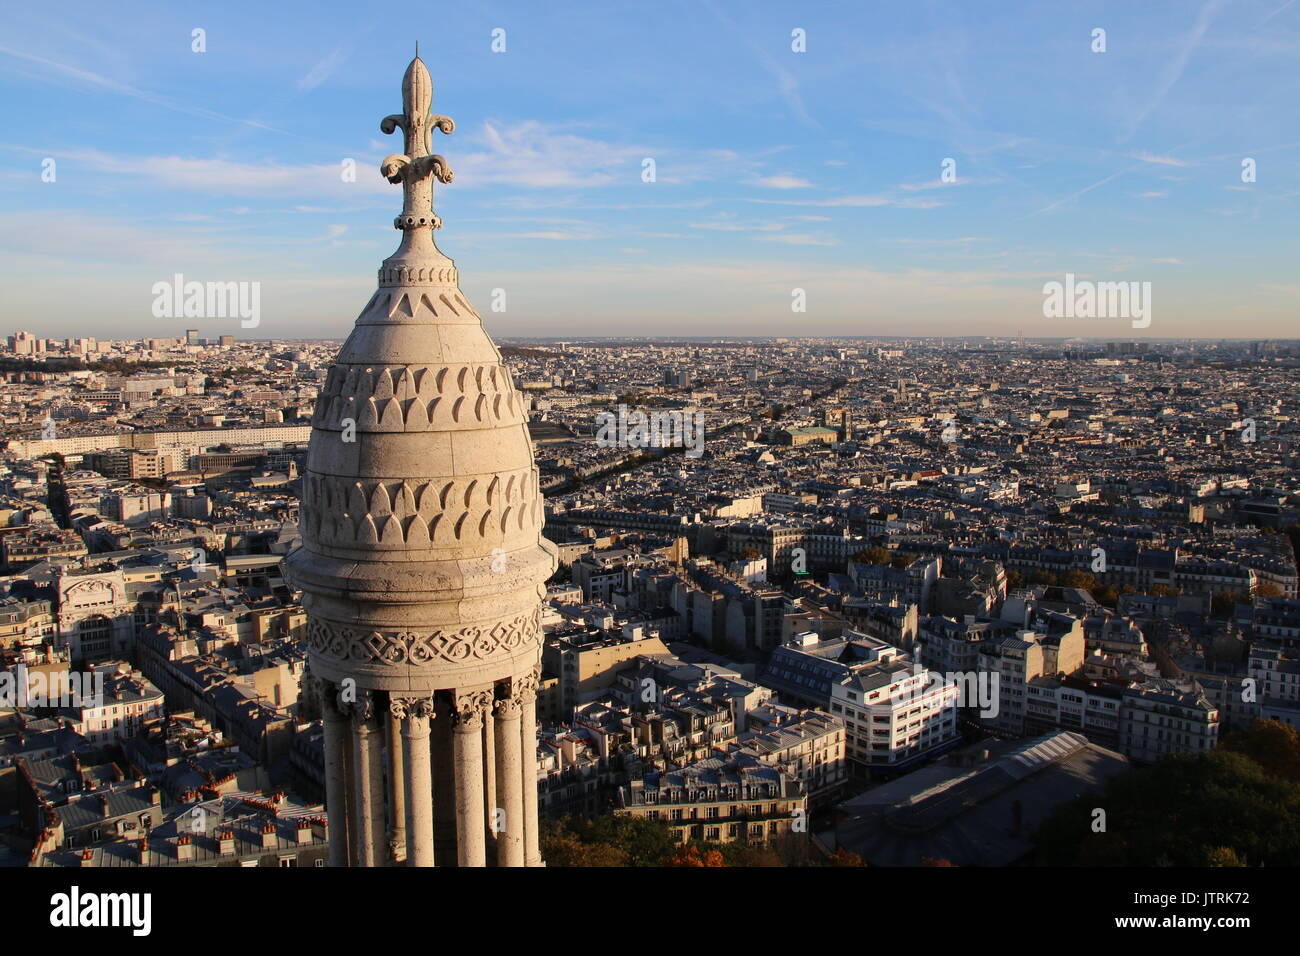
(422, 565)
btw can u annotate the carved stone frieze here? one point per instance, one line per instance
(474, 642)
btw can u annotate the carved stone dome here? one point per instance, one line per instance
(422, 564)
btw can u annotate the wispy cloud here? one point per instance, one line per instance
(1173, 70)
(732, 225)
(786, 83)
(530, 154)
(782, 182)
(1086, 189)
(1276, 12)
(857, 202)
(1159, 160)
(960, 240)
(798, 239)
(86, 77)
(323, 70)
(231, 177)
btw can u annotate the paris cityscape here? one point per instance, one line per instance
(1105, 531)
(915, 490)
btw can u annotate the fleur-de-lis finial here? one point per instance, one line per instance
(418, 166)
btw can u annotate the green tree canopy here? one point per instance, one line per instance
(1188, 810)
(1273, 745)
(607, 840)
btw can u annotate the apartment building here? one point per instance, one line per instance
(1092, 708)
(600, 573)
(1161, 717)
(895, 714)
(587, 662)
(1275, 671)
(810, 745)
(129, 699)
(719, 802)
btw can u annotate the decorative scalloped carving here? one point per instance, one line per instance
(469, 644)
(417, 513)
(411, 397)
(392, 276)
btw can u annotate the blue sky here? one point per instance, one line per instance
(775, 169)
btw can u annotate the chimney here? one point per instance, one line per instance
(304, 831)
(103, 806)
(320, 828)
(226, 842)
(184, 849)
(144, 851)
(268, 836)
(87, 857)
(155, 798)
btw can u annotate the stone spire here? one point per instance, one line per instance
(422, 565)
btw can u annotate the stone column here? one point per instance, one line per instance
(337, 744)
(414, 714)
(509, 828)
(367, 736)
(350, 775)
(528, 761)
(490, 802)
(471, 849)
(396, 785)
(444, 779)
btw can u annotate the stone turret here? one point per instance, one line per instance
(422, 565)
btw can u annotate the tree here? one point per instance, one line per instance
(1223, 856)
(1187, 810)
(1107, 596)
(1273, 745)
(739, 853)
(561, 847)
(1224, 603)
(1078, 579)
(645, 842)
(873, 555)
(1267, 589)
(690, 855)
(843, 857)
(568, 851)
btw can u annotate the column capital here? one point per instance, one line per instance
(508, 708)
(526, 684)
(404, 707)
(470, 709)
(333, 705)
(363, 709)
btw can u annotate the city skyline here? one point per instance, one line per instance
(775, 170)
